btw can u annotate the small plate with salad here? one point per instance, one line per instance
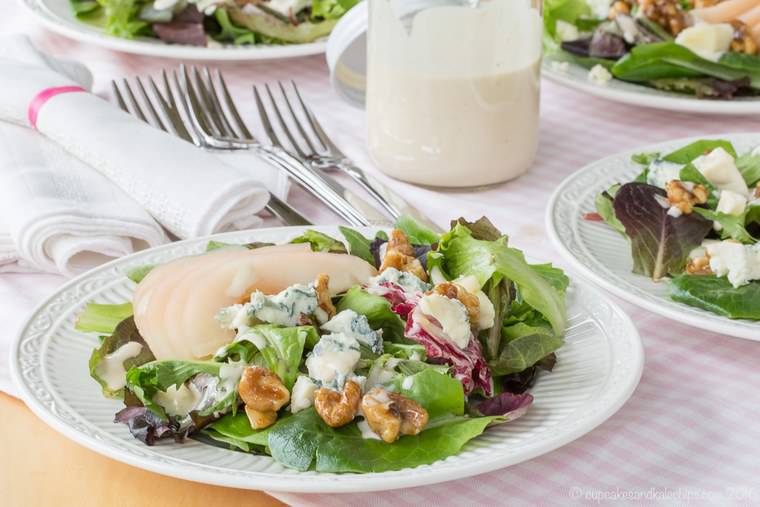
(196, 29)
(289, 359)
(682, 55)
(672, 227)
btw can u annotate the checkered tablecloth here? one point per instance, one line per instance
(691, 431)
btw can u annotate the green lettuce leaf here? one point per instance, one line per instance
(331, 9)
(523, 345)
(125, 332)
(717, 295)
(102, 318)
(137, 274)
(121, 18)
(303, 441)
(358, 245)
(465, 255)
(147, 380)
(378, 311)
(404, 350)
(230, 32)
(749, 166)
(732, 225)
(320, 242)
(568, 11)
(417, 233)
(660, 243)
(440, 394)
(605, 207)
(696, 149)
(281, 352)
(215, 245)
(235, 429)
(668, 60)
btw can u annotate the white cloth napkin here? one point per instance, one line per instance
(62, 215)
(190, 192)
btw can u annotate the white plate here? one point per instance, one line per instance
(576, 77)
(604, 256)
(596, 372)
(57, 16)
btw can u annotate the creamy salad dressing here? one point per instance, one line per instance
(112, 370)
(453, 99)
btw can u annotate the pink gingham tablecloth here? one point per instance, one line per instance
(690, 434)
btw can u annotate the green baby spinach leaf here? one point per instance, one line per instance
(303, 441)
(358, 245)
(717, 295)
(320, 242)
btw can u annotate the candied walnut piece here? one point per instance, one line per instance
(391, 415)
(619, 7)
(757, 190)
(456, 291)
(685, 196)
(323, 295)
(743, 41)
(262, 390)
(260, 419)
(699, 266)
(400, 255)
(338, 409)
(666, 13)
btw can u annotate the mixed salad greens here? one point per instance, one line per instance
(214, 22)
(694, 215)
(706, 48)
(442, 341)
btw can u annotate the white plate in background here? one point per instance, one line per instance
(57, 16)
(604, 256)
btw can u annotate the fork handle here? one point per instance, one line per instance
(285, 212)
(312, 182)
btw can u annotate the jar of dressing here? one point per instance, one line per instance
(453, 89)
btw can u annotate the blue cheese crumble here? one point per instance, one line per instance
(333, 360)
(350, 323)
(287, 308)
(407, 281)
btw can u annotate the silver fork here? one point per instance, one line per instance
(314, 146)
(215, 118)
(172, 123)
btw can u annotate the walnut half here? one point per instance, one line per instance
(323, 295)
(264, 394)
(338, 409)
(391, 415)
(685, 196)
(399, 254)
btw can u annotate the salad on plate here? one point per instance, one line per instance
(704, 48)
(693, 216)
(215, 22)
(362, 355)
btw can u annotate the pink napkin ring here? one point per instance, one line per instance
(41, 98)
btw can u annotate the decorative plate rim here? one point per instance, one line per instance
(625, 351)
(84, 33)
(563, 216)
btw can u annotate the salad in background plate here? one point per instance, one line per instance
(704, 48)
(694, 215)
(215, 22)
(363, 355)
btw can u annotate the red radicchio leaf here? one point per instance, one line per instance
(506, 404)
(468, 364)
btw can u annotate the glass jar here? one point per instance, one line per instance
(453, 89)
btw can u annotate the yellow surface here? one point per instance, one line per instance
(40, 467)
